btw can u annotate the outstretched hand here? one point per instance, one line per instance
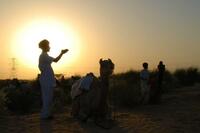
(64, 51)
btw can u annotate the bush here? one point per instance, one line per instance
(21, 100)
(192, 75)
(2, 101)
(66, 89)
(62, 95)
(125, 89)
(131, 77)
(169, 81)
(124, 94)
(187, 77)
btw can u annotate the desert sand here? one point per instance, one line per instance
(179, 112)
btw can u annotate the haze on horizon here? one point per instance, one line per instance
(127, 31)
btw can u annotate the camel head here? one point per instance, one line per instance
(106, 67)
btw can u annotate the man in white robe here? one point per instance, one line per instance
(47, 79)
(144, 81)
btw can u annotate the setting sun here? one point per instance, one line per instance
(128, 32)
(25, 42)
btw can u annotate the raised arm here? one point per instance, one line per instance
(60, 55)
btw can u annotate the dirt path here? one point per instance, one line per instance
(179, 113)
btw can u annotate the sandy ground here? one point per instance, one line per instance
(178, 113)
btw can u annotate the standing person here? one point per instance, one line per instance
(144, 79)
(161, 70)
(47, 79)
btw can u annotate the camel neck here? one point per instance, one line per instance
(104, 80)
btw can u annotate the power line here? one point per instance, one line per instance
(13, 68)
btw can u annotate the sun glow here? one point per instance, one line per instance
(25, 45)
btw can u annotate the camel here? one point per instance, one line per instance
(93, 102)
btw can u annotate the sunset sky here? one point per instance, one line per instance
(127, 31)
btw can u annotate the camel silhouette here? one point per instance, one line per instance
(93, 102)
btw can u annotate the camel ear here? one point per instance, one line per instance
(100, 61)
(112, 64)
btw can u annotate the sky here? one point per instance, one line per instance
(129, 32)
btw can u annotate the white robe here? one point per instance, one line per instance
(47, 82)
(145, 89)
